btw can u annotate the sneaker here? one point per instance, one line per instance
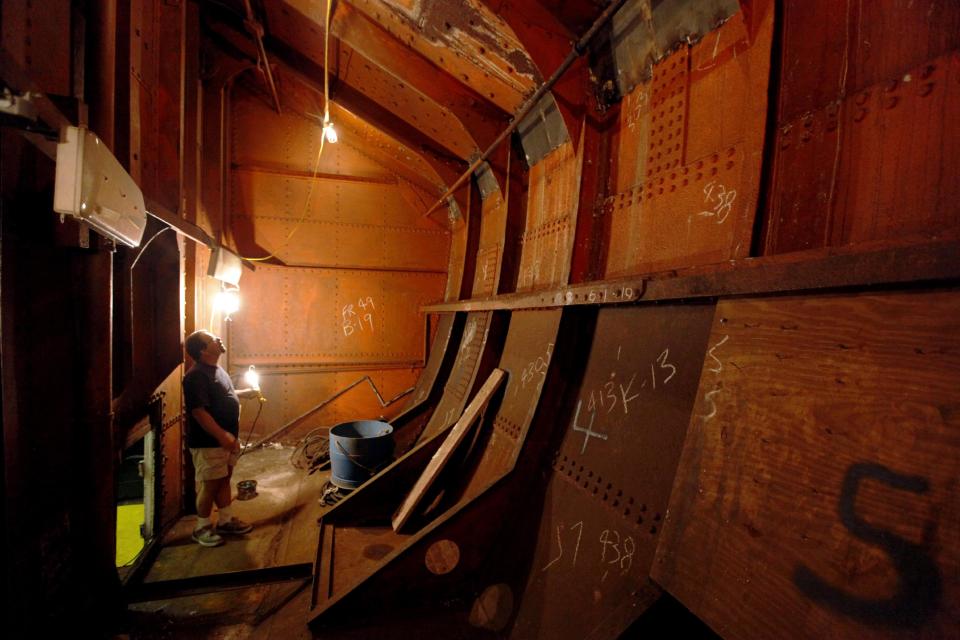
(235, 526)
(207, 537)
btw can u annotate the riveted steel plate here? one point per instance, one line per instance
(542, 130)
(297, 316)
(547, 240)
(428, 376)
(614, 468)
(463, 375)
(526, 357)
(490, 251)
(865, 131)
(687, 174)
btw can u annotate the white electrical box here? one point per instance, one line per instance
(93, 186)
(225, 266)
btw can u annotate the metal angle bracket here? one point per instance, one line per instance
(486, 181)
(542, 130)
(643, 32)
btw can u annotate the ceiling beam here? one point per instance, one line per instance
(548, 42)
(482, 118)
(445, 162)
(465, 39)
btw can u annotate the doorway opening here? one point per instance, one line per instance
(135, 502)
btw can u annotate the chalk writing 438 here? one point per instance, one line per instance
(721, 198)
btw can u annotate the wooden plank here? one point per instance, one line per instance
(447, 449)
(816, 493)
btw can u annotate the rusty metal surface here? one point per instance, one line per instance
(458, 252)
(300, 24)
(332, 317)
(428, 375)
(366, 150)
(368, 226)
(365, 219)
(466, 40)
(613, 471)
(527, 353)
(644, 32)
(461, 381)
(864, 130)
(473, 344)
(542, 130)
(687, 175)
(36, 36)
(547, 240)
(493, 222)
(291, 393)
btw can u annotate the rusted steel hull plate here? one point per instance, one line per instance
(526, 358)
(428, 375)
(864, 139)
(687, 176)
(613, 470)
(547, 240)
(463, 375)
(329, 317)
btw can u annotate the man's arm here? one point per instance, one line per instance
(252, 392)
(226, 439)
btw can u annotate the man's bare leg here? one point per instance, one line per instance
(227, 522)
(206, 495)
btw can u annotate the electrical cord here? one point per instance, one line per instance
(312, 452)
(323, 136)
(243, 449)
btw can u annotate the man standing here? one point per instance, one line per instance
(213, 424)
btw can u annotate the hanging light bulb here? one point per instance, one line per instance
(227, 301)
(252, 378)
(330, 132)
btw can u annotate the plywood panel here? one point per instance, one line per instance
(687, 147)
(816, 494)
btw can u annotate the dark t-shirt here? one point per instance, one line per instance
(210, 387)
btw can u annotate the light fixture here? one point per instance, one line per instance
(329, 132)
(225, 266)
(252, 378)
(227, 301)
(93, 186)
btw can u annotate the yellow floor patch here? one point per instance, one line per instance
(129, 542)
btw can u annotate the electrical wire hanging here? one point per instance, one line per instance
(327, 133)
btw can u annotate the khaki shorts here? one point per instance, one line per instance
(212, 463)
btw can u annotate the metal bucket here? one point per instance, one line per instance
(359, 449)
